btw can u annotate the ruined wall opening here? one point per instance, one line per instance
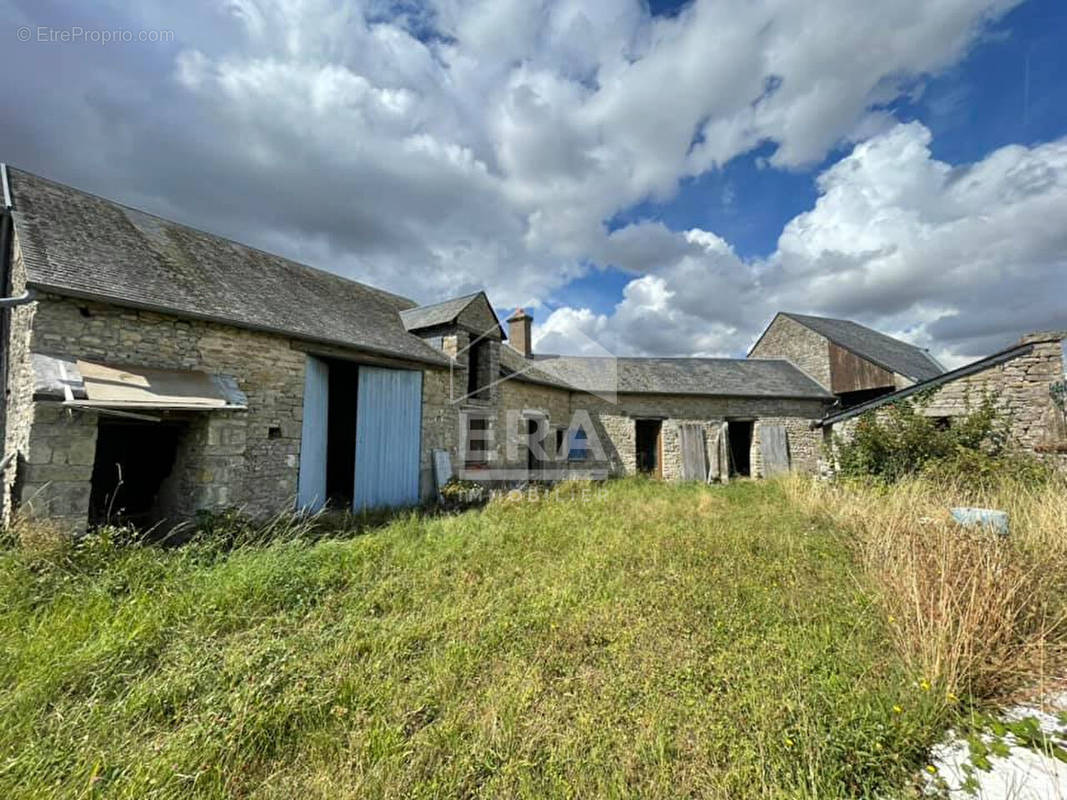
(478, 367)
(648, 443)
(341, 434)
(739, 432)
(133, 460)
(851, 399)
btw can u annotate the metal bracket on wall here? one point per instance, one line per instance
(27, 296)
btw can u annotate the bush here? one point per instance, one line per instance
(460, 494)
(900, 441)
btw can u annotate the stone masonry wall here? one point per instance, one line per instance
(509, 439)
(227, 457)
(805, 444)
(614, 423)
(244, 458)
(440, 424)
(803, 347)
(18, 393)
(1021, 389)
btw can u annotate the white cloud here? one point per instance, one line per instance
(459, 145)
(960, 259)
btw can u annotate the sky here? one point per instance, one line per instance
(650, 178)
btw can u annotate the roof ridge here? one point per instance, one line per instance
(849, 334)
(446, 301)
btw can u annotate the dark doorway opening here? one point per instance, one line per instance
(532, 428)
(132, 461)
(341, 433)
(739, 433)
(477, 364)
(649, 446)
(851, 399)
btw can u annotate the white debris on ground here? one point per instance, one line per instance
(1024, 774)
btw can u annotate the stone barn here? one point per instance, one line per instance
(152, 371)
(852, 361)
(157, 370)
(1027, 381)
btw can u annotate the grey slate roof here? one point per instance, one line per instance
(885, 351)
(733, 377)
(81, 245)
(444, 313)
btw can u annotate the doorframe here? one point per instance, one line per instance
(658, 471)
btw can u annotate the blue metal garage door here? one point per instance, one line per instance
(388, 437)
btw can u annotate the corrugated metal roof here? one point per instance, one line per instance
(78, 244)
(885, 351)
(736, 377)
(128, 386)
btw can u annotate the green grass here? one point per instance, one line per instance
(646, 640)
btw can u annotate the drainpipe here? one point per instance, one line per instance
(6, 303)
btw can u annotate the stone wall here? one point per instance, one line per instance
(1021, 389)
(805, 444)
(18, 393)
(614, 424)
(517, 397)
(55, 470)
(440, 426)
(246, 458)
(226, 458)
(804, 348)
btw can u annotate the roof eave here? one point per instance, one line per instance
(981, 365)
(185, 314)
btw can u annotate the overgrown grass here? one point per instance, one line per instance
(978, 615)
(647, 640)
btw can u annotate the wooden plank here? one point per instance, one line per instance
(311, 486)
(720, 456)
(388, 438)
(713, 456)
(694, 456)
(442, 469)
(850, 373)
(774, 444)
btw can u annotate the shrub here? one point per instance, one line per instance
(900, 441)
(460, 494)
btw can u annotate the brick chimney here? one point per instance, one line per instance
(519, 325)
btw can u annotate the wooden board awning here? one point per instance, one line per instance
(90, 384)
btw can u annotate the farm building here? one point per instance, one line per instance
(1027, 382)
(152, 370)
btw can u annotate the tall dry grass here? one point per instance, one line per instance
(971, 611)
